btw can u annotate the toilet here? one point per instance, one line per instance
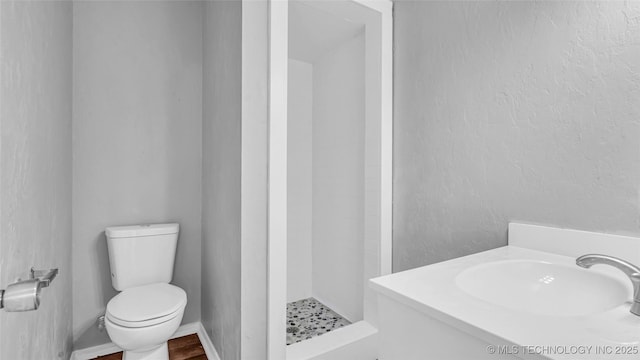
(148, 310)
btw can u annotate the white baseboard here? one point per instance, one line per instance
(186, 329)
(95, 351)
(209, 349)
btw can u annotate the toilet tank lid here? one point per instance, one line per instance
(141, 230)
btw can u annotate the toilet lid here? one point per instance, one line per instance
(146, 305)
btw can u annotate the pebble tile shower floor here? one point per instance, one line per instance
(309, 318)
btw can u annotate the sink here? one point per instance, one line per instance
(543, 288)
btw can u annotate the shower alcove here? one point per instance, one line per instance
(330, 141)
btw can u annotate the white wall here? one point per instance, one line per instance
(221, 176)
(137, 130)
(299, 181)
(512, 111)
(338, 178)
(35, 172)
(254, 180)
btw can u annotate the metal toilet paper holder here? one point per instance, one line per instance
(24, 295)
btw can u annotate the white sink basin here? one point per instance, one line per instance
(543, 288)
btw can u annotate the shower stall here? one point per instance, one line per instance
(330, 141)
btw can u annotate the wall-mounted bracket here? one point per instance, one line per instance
(44, 276)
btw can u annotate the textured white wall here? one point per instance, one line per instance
(35, 172)
(221, 176)
(299, 180)
(338, 178)
(508, 111)
(254, 179)
(137, 131)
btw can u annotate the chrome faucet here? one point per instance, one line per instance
(632, 271)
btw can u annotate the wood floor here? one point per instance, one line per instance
(183, 348)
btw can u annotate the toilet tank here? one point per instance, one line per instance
(141, 254)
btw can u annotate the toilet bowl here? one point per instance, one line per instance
(148, 310)
(141, 319)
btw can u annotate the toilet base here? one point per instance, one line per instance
(155, 353)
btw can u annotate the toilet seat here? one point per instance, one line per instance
(146, 305)
(141, 324)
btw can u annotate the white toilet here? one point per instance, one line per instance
(148, 310)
